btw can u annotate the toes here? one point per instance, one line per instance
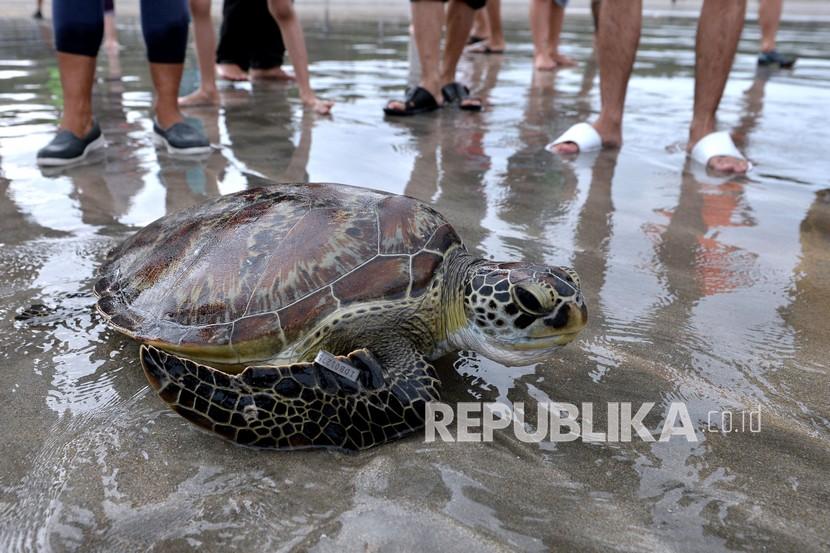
(564, 148)
(726, 164)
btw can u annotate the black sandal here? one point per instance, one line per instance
(418, 100)
(456, 93)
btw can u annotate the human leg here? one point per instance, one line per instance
(481, 28)
(493, 11)
(769, 16)
(427, 23)
(78, 32)
(292, 33)
(110, 30)
(79, 29)
(718, 33)
(494, 41)
(557, 18)
(267, 49)
(617, 40)
(164, 25)
(540, 17)
(233, 52)
(460, 14)
(206, 94)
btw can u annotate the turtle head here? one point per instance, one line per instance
(518, 313)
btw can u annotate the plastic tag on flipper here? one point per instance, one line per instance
(335, 365)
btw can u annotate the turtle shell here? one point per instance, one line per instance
(241, 277)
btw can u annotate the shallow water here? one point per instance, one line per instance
(709, 292)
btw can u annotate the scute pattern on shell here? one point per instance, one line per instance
(269, 263)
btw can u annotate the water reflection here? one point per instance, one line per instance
(711, 292)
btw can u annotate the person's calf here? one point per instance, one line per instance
(167, 78)
(460, 15)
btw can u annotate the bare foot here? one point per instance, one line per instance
(543, 62)
(273, 74)
(230, 72)
(200, 98)
(322, 107)
(563, 60)
(611, 136)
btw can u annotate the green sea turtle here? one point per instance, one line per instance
(333, 299)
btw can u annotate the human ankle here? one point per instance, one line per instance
(432, 85)
(610, 129)
(699, 129)
(167, 117)
(79, 125)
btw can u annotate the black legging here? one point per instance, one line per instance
(79, 28)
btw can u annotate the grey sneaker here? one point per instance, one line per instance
(182, 138)
(67, 148)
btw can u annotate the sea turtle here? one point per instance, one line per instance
(333, 299)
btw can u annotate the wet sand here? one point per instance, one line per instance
(711, 292)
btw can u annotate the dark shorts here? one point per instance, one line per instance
(475, 4)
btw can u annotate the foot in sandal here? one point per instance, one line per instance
(717, 151)
(459, 95)
(418, 100)
(585, 137)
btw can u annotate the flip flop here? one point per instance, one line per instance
(716, 144)
(474, 39)
(418, 100)
(483, 49)
(585, 136)
(774, 57)
(456, 93)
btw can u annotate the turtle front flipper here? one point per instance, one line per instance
(301, 405)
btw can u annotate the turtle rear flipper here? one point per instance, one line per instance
(301, 405)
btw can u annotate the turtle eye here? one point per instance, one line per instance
(529, 302)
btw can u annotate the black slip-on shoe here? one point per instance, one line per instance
(182, 138)
(66, 148)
